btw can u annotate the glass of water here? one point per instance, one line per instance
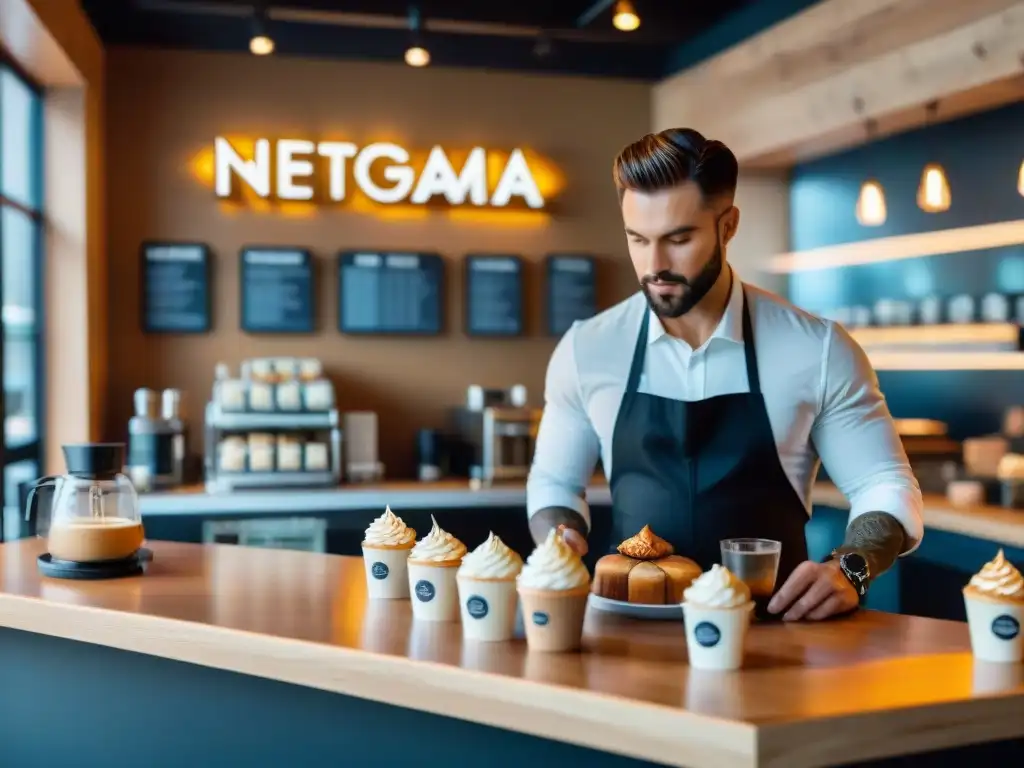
(755, 562)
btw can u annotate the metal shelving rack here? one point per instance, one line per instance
(219, 422)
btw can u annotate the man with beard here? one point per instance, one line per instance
(711, 403)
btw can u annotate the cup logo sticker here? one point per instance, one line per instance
(1005, 627)
(379, 570)
(424, 591)
(476, 607)
(707, 634)
(540, 618)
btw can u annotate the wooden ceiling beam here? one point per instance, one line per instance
(807, 85)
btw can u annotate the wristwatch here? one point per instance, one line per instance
(855, 569)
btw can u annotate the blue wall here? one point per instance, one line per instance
(981, 155)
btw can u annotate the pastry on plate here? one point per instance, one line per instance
(645, 570)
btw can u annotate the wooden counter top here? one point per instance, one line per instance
(1004, 526)
(867, 686)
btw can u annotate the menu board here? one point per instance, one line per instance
(571, 291)
(494, 295)
(277, 290)
(175, 288)
(390, 293)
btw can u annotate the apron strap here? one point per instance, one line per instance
(753, 377)
(639, 353)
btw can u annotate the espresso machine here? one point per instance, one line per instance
(492, 436)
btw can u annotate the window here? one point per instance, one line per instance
(21, 257)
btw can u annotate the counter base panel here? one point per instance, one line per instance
(73, 703)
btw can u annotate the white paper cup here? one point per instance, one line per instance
(488, 609)
(995, 629)
(387, 576)
(715, 636)
(434, 594)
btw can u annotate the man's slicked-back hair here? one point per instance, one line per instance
(675, 156)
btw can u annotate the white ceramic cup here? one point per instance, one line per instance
(434, 594)
(715, 637)
(995, 630)
(488, 609)
(387, 575)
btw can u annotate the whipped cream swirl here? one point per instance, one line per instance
(438, 546)
(717, 588)
(554, 565)
(491, 560)
(999, 578)
(388, 530)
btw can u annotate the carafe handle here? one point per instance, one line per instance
(30, 509)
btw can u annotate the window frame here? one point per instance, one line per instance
(33, 450)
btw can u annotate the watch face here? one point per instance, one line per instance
(855, 563)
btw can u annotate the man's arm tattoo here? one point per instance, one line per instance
(879, 537)
(543, 520)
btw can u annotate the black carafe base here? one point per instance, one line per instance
(104, 569)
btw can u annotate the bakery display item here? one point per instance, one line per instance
(553, 588)
(994, 599)
(645, 571)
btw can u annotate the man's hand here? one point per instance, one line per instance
(574, 539)
(570, 524)
(815, 591)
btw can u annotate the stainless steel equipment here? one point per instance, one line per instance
(156, 440)
(493, 444)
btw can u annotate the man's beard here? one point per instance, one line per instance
(693, 290)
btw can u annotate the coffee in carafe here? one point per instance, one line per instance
(94, 513)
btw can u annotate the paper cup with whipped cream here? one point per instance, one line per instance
(487, 591)
(553, 588)
(994, 599)
(716, 610)
(432, 565)
(386, 546)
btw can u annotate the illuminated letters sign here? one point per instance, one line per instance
(293, 166)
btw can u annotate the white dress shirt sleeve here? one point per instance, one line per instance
(567, 446)
(857, 441)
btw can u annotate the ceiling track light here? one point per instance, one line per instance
(871, 210)
(625, 18)
(260, 43)
(933, 194)
(416, 55)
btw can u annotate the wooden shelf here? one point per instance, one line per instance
(946, 361)
(973, 337)
(882, 249)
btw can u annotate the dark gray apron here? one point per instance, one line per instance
(699, 472)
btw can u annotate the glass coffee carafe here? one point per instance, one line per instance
(93, 511)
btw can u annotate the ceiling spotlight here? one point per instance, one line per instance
(260, 44)
(625, 18)
(416, 55)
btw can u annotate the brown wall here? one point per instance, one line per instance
(165, 107)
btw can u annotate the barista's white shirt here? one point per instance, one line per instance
(821, 393)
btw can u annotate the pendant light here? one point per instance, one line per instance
(933, 195)
(260, 44)
(1020, 179)
(416, 55)
(871, 210)
(625, 18)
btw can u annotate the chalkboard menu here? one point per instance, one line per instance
(175, 288)
(494, 295)
(277, 290)
(571, 291)
(390, 293)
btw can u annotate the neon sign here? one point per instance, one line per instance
(287, 169)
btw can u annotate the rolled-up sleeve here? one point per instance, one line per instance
(567, 446)
(857, 441)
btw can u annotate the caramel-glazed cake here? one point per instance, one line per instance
(644, 571)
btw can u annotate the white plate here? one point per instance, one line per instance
(637, 610)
